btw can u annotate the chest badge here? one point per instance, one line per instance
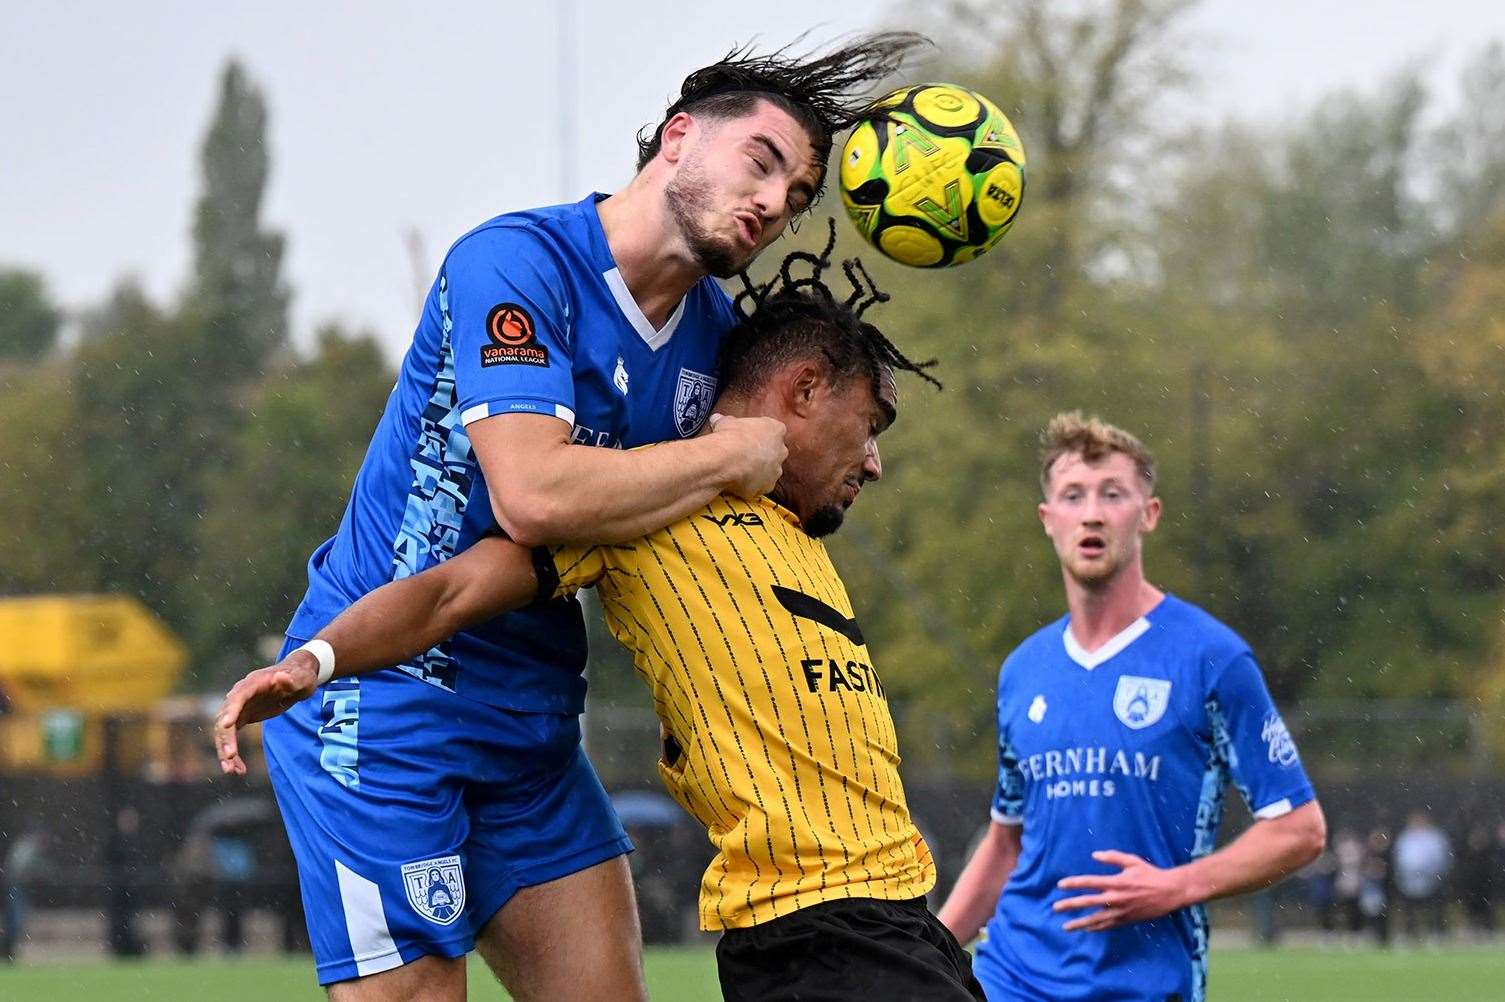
(692, 401)
(1037, 710)
(1139, 701)
(619, 378)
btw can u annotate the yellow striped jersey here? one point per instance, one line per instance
(777, 735)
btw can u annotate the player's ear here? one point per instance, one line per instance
(1151, 517)
(673, 136)
(803, 382)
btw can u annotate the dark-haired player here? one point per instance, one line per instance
(546, 331)
(776, 731)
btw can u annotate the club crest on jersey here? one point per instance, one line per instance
(1037, 710)
(1139, 701)
(436, 888)
(692, 401)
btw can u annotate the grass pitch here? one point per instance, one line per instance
(1463, 974)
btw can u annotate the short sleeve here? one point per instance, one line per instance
(505, 304)
(1008, 795)
(1249, 731)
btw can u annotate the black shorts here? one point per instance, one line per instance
(860, 949)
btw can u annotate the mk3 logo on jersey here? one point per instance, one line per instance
(436, 888)
(693, 397)
(513, 339)
(1140, 701)
(739, 519)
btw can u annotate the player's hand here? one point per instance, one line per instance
(755, 451)
(1140, 891)
(263, 693)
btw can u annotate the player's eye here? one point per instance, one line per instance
(762, 167)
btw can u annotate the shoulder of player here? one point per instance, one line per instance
(717, 299)
(1032, 650)
(1213, 637)
(519, 237)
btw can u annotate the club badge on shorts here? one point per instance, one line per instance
(692, 401)
(1140, 701)
(436, 888)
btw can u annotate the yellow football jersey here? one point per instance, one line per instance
(777, 732)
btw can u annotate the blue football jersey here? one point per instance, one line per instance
(529, 314)
(1129, 747)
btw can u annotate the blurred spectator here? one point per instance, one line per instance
(1479, 877)
(229, 852)
(1321, 888)
(1423, 857)
(1348, 884)
(1374, 893)
(10, 920)
(124, 860)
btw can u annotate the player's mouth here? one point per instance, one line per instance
(749, 227)
(850, 490)
(1092, 546)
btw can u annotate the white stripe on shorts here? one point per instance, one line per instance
(365, 922)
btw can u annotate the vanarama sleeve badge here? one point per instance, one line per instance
(513, 339)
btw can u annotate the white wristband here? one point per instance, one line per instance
(321, 650)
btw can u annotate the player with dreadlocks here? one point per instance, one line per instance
(776, 729)
(547, 333)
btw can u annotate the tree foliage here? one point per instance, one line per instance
(29, 320)
(1300, 323)
(1303, 321)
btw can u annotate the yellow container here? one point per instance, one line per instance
(96, 654)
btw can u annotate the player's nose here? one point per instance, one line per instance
(872, 463)
(769, 201)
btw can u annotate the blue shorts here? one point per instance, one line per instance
(415, 814)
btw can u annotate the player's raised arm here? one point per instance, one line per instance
(388, 626)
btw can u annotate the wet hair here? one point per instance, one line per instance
(824, 93)
(1071, 432)
(792, 318)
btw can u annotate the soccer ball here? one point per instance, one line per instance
(933, 176)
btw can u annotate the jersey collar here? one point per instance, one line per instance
(654, 339)
(612, 276)
(783, 512)
(1114, 647)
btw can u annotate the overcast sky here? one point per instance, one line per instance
(391, 118)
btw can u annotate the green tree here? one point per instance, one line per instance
(282, 492)
(237, 290)
(149, 426)
(28, 318)
(42, 485)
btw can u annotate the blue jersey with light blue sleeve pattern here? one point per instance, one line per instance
(1129, 747)
(529, 314)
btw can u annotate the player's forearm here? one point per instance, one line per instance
(582, 494)
(404, 618)
(1265, 853)
(975, 897)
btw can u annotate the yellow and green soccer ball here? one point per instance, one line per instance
(933, 176)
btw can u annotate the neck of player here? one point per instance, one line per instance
(763, 404)
(648, 248)
(1101, 610)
